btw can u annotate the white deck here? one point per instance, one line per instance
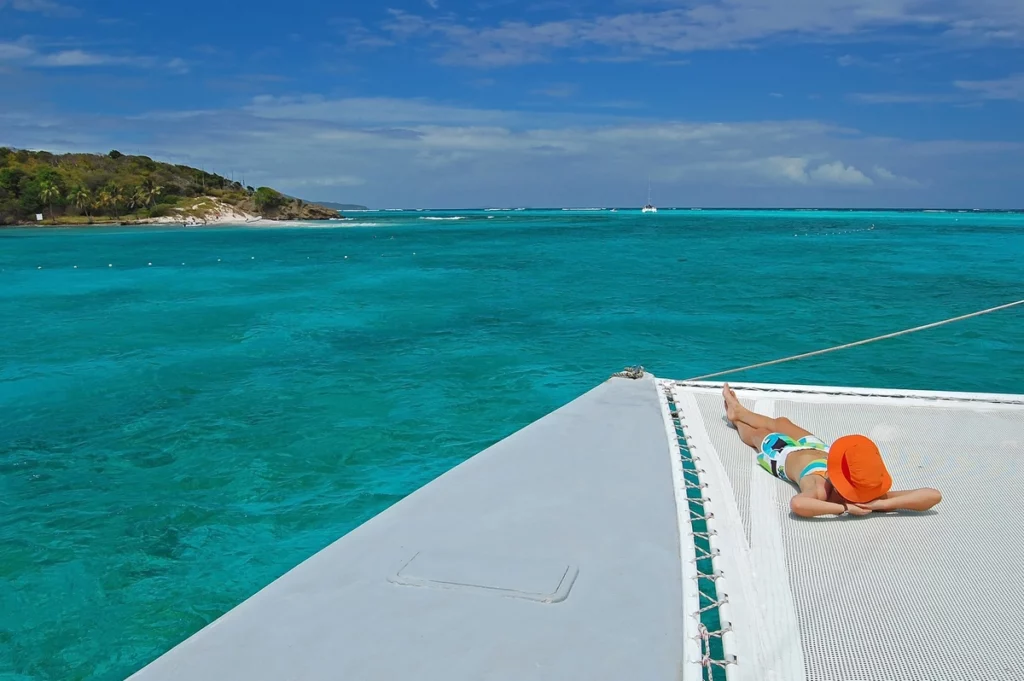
(566, 552)
(552, 555)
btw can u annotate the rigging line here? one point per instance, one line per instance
(860, 342)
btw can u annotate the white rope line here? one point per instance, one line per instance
(697, 511)
(860, 342)
(839, 392)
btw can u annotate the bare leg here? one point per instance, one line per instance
(754, 426)
(750, 435)
(737, 413)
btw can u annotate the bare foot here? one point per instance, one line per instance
(733, 408)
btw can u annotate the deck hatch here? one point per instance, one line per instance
(544, 581)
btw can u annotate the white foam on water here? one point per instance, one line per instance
(459, 217)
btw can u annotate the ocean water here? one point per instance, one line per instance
(187, 414)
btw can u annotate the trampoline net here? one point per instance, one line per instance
(906, 597)
(735, 456)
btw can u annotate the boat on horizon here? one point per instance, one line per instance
(649, 207)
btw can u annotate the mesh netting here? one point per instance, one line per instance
(734, 455)
(905, 597)
(917, 596)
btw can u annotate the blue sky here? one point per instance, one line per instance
(454, 103)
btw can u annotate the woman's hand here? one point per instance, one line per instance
(858, 509)
(882, 504)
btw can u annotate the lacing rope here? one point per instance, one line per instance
(708, 662)
(713, 660)
(934, 397)
(630, 372)
(860, 342)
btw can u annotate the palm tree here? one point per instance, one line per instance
(140, 198)
(103, 201)
(133, 198)
(49, 192)
(116, 194)
(153, 193)
(83, 199)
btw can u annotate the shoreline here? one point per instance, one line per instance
(263, 223)
(217, 214)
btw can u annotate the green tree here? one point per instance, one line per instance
(266, 198)
(34, 182)
(115, 192)
(135, 197)
(10, 179)
(82, 199)
(49, 193)
(103, 201)
(151, 190)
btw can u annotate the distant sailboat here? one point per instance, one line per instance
(649, 207)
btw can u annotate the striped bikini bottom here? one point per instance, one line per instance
(776, 447)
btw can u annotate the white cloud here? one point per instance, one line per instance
(389, 152)
(178, 66)
(557, 90)
(904, 98)
(717, 25)
(785, 168)
(848, 60)
(836, 173)
(987, 21)
(797, 170)
(356, 36)
(16, 51)
(884, 173)
(73, 58)
(886, 176)
(1011, 87)
(335, 181)
(45, 7)
(24, 53)
(969, 93)
(433, 4)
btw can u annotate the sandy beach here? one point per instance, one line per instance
(226, 215)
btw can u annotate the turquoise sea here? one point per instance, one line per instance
(187, 414)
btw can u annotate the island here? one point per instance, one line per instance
(45, 189)
(343, 206)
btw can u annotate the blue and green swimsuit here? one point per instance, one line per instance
(776, 447)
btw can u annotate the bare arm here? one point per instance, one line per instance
(907, 500)
(807, 506)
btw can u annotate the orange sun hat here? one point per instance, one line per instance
(856, 470)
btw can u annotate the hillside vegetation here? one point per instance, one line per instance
(342, 206)
(91, 188)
